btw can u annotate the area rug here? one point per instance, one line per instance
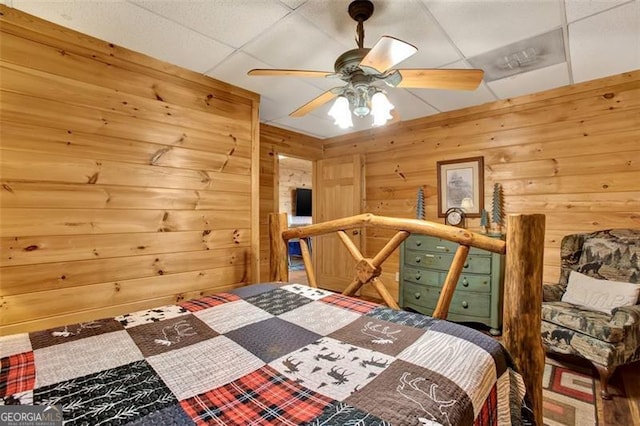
(296, 264)
(568, 395)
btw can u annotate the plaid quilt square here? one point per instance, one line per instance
(17, 373)
(208, 301)
(346, 302)
(488, 415)
(114, 396)
(380, 336)
(272, 338)
(69, 333)
(278, 301)
(262, 397)
(158, 337)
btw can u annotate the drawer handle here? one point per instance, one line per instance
(441, 247)
(418, 259)
(418, 276)
(465, 304)
(417, 295)
(465, 283)
(429, 255)
(418, 243)
(466, 265)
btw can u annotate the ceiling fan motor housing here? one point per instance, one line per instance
(360, 10)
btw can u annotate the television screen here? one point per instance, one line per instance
(302, 202)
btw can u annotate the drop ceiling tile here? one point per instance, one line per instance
(309, 125)
(408, 105)
(407, 20)
(271, 110)
(295, 44)
(606, 44)
(233, 22)
(293, 4)
(480, 26)
(577, 9)
(132, 27)
(290, 92)
(531, 82)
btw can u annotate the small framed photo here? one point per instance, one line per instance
(461, 185)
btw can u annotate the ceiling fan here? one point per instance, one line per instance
(363, 67)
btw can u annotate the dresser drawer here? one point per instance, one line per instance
(463, 303)
(420, 276)
(478, 283)
(421, 295)
(423, 242)
(473, 264)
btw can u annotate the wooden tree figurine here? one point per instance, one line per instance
(497, 209)
(420, 204)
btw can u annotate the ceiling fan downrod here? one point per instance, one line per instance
(360, 11)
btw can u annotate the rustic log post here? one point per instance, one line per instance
(308, 265)
(278, 261)
(449, 286)
(523, 302)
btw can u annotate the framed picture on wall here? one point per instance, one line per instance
(461, 185)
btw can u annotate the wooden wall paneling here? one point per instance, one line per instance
(67, 248)
(126, 182)
(568, 153)
(50, 276)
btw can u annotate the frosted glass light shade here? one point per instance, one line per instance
(340, 113)
(380, 109)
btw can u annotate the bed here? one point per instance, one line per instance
(276, 353)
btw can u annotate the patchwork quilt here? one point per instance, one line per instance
(262, 355)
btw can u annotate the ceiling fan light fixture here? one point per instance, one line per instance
(381, 109)
(340, 113)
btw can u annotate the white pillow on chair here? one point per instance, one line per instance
(599, 295)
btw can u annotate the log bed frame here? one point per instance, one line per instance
(523, 248)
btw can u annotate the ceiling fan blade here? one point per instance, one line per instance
(289, 73)
(386, 53)
(457, 79)
(314, 103)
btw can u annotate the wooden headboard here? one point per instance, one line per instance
(524, 249)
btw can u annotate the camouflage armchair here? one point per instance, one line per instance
(606, 340)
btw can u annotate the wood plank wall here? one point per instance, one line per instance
(572, 153)
(126, 181)
(274, 141)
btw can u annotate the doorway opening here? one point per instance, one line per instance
(295, 180)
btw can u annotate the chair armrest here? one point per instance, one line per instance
(626, 315)
(553, 292)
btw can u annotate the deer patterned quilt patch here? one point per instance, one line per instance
(265, 354)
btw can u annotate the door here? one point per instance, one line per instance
(338, 192)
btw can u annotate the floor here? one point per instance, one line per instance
(622, 410)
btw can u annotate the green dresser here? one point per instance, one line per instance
(424, 263)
